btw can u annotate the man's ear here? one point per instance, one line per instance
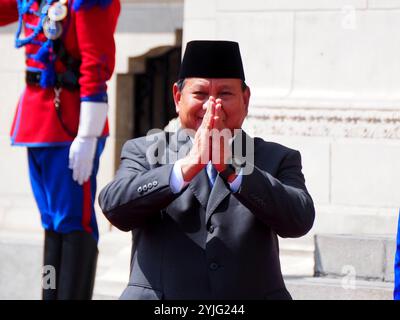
(177, 96)
(246, 98)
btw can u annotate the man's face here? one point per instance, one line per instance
(191, 101)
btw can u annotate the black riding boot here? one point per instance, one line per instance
(51, 264)
(78, 266)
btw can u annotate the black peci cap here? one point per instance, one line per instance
(212, 59)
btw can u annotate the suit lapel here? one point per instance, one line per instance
(218, 193)
(200, 187)
(220, 189)
(181, 144)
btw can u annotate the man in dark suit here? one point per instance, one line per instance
(205, 217)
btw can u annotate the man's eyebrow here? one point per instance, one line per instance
(198, 87)
(226, 87)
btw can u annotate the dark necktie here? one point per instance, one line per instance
(212, 173)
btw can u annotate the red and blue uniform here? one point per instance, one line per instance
(88, 37)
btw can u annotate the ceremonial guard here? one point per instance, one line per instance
(61, 118)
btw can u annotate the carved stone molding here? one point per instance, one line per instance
(371, 124)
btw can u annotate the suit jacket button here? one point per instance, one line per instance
(145, 188)
(155, 183)
(139, 190)
(214, 266)
(149, 185)
(211, 229)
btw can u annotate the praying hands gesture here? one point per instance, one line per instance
(211, 142)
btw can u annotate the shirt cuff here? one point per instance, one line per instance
(235, 184)
(176, 181)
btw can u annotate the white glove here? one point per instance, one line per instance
(81, 153)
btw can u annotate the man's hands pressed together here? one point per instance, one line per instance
(220, 138)
(211, 142)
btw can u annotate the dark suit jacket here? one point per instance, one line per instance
(205, 243)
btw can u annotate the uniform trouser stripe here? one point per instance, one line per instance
(87, 206)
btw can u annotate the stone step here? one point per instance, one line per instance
(303, 244)
(297, 256)
(346, 288)
(363, 256)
